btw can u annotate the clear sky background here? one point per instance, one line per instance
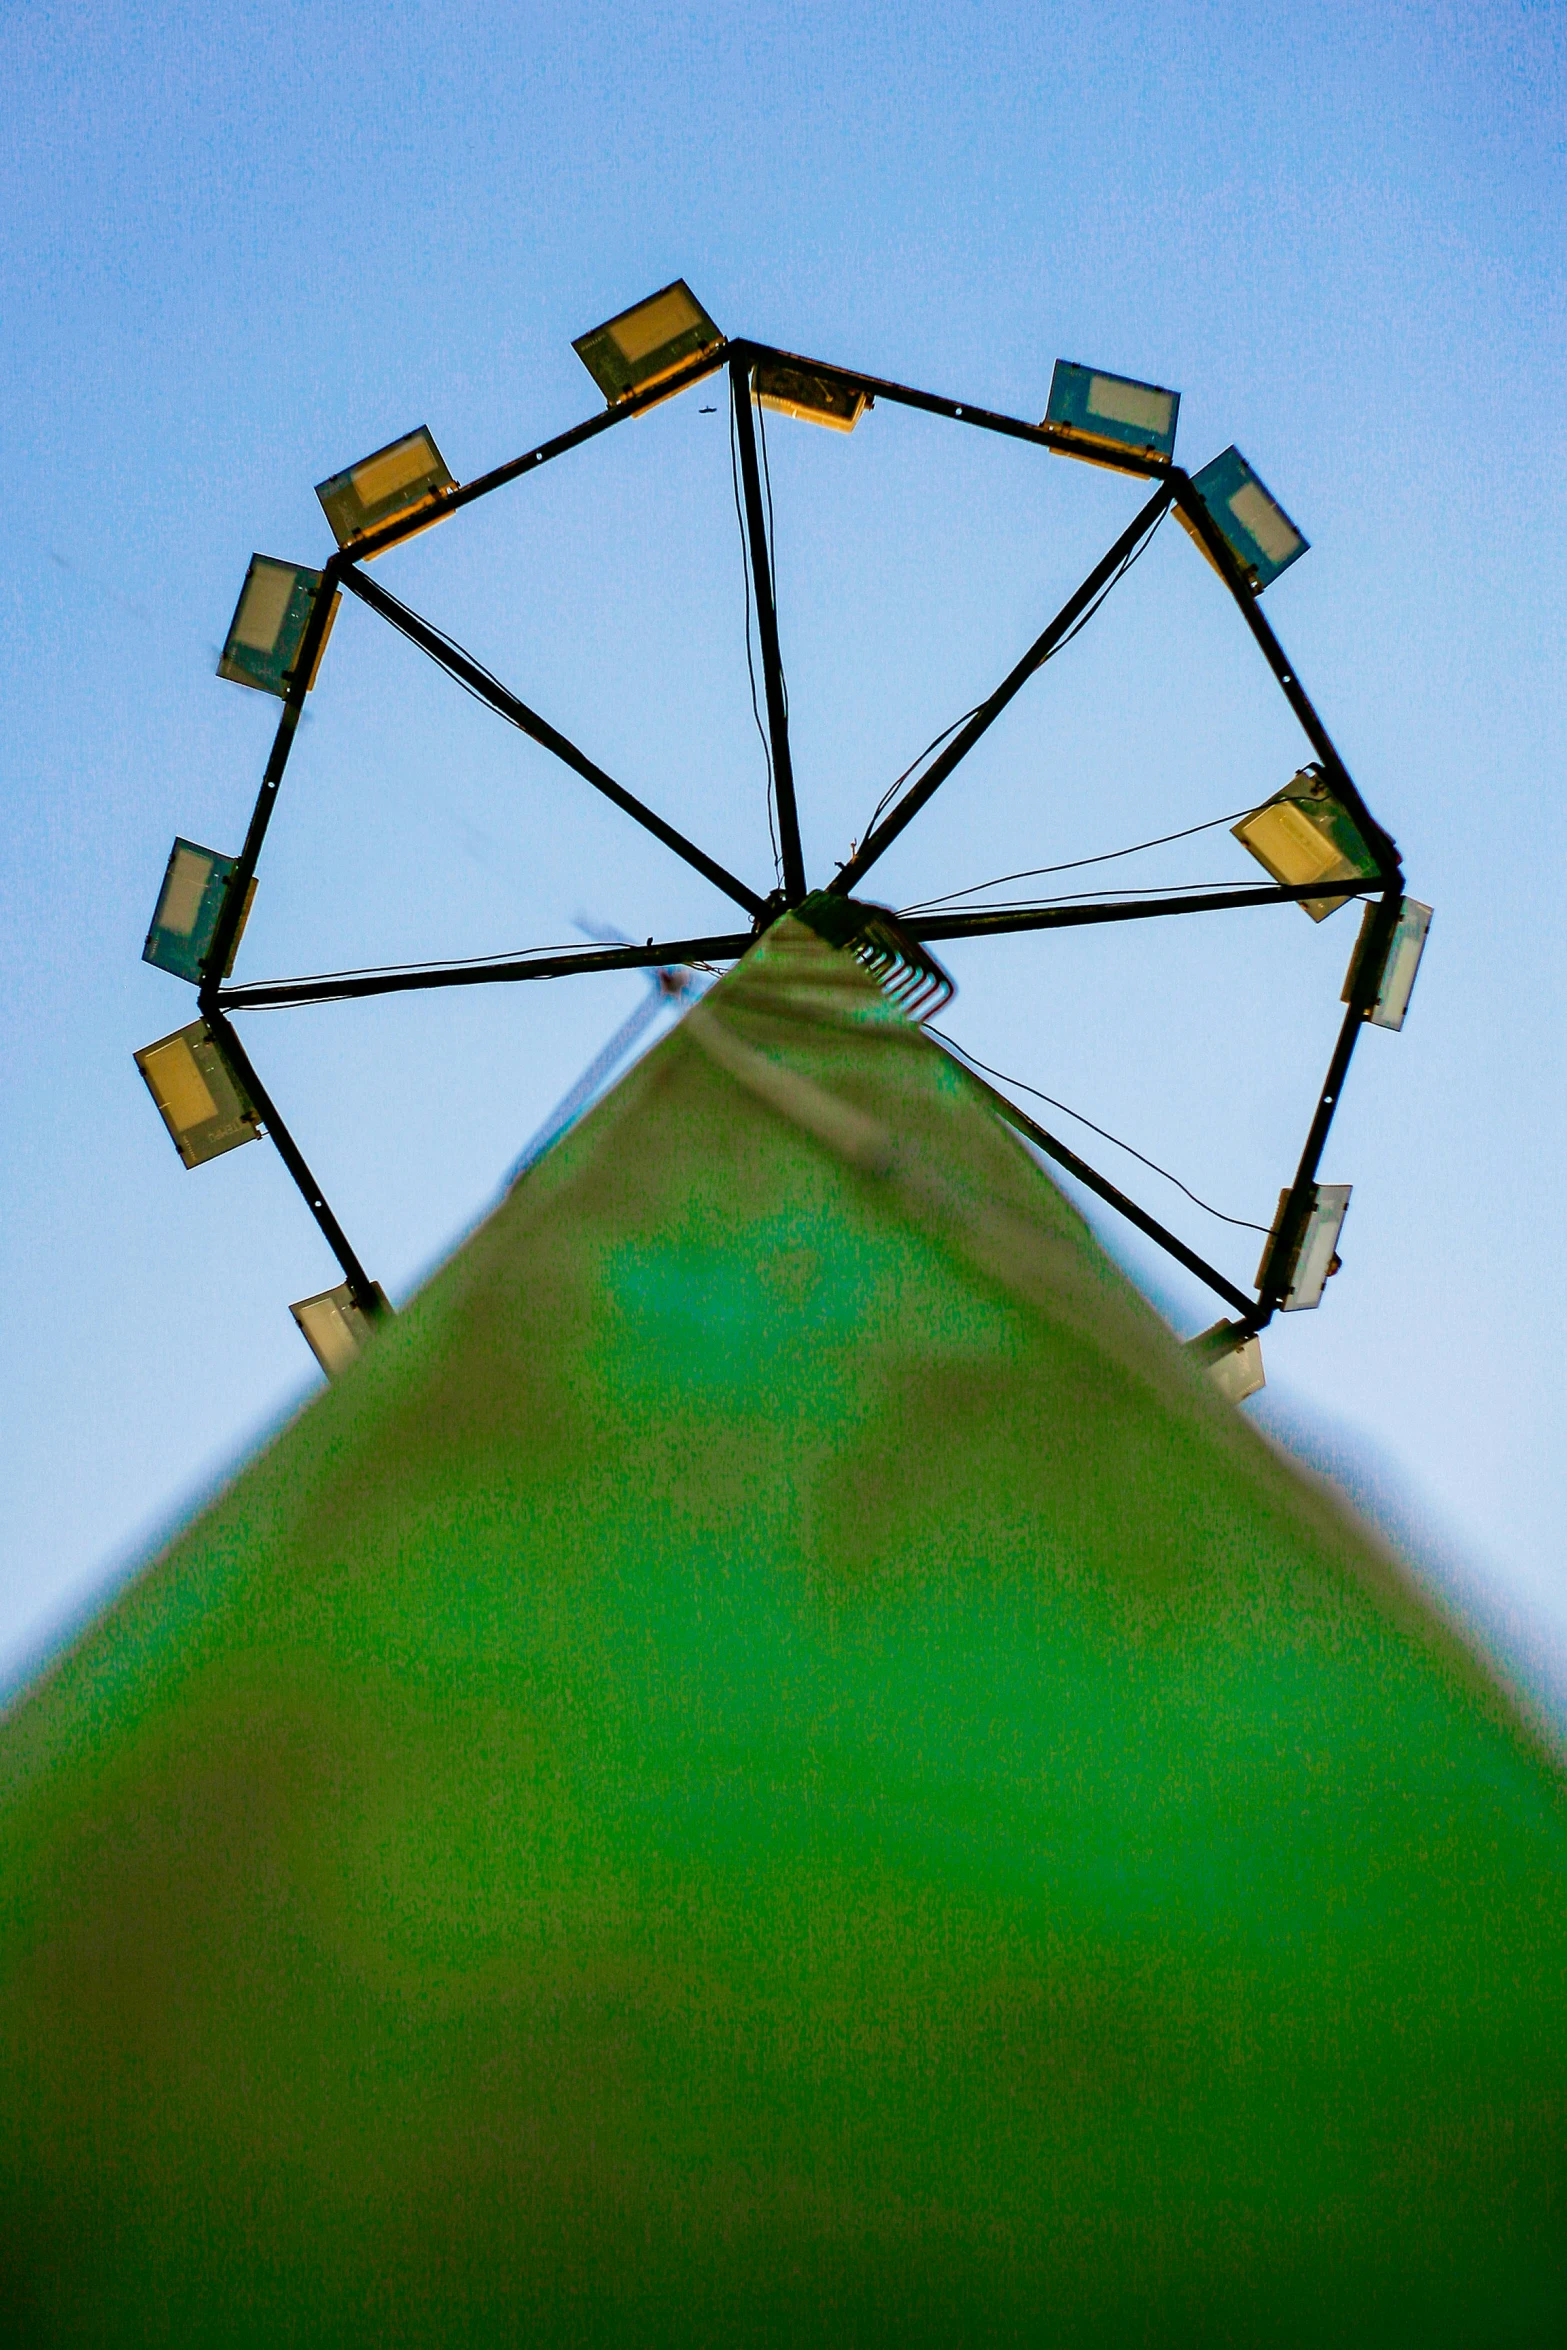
(243, 247)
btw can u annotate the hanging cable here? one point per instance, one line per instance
(1244, 1222)
(1074, 864)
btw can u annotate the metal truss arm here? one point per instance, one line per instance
(359, 1281)
(1105, 1190)
(1197, 517)
(539, 730)
(336, 987)
(408, 526)
(850, 875)
(767, 630)
(986, 922)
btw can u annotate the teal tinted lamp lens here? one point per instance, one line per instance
(647, 342)
(202, 1099)
(269, 625)
(1304, 834)
(1252, 523)
(395, 481)
(811, 394)
(336, 1327)
(1090, 410)
(1299, 1263)
(189, 903)
(1400, 962)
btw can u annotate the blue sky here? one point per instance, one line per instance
(244, 247)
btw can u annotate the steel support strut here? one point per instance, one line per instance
(539, 730)
(935, 775)
(336, 987)
(767, 630)
(1105, 1190)
(993, 922)
(1297, 1207)
(360, 1284)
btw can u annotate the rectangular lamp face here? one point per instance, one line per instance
(647, 342)
(1106, 413)
(269, 625)
(1400, 963)
(395, 481)
(335, 1327)
(1311, 1259)
(1232, 1358)
(1252, 523)
(189, 903)
(1304, 834)
(809, 393)
(202, 1101)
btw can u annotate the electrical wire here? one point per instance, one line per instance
(1080, 623)
(1244, 1222)
(1075, 864)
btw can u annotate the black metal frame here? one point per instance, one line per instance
(1172, 488)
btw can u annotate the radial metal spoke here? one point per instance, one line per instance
(335, 987)
(487, 689)
(992, 922)
(935, 775)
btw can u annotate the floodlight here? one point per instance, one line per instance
(647, 342)
(269, 626)
(1090, 410)
(336, 1327)
(1305, 833)
(189, 903)
(395, 481)
(1307, 1253)
(1232, 1357)
(1400, 961)
(1252, 523)
(205, 1105)
(812, 393)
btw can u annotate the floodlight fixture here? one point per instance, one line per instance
(269, 626)
(1097, 415)
(386, 486)
(1231, 1354)
(336, 1327)
(1302, 1250)
(1400, 961)
(1304, 834)
(203, 1100)
(1252, 523)
(189, 903)
(653, 339)
(813, 394)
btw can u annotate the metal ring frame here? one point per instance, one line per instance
(1172, 487)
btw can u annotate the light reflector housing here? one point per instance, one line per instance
(812, 393)
(1252, 523)
(383, 487)
(651, 340)
(1305, 833)
(1232, 1357)
(269, 626)
(1090, 409)
(1400, 962)
(1299, 1259)
(202, 1100)
(336, 1327)
(195, 881)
